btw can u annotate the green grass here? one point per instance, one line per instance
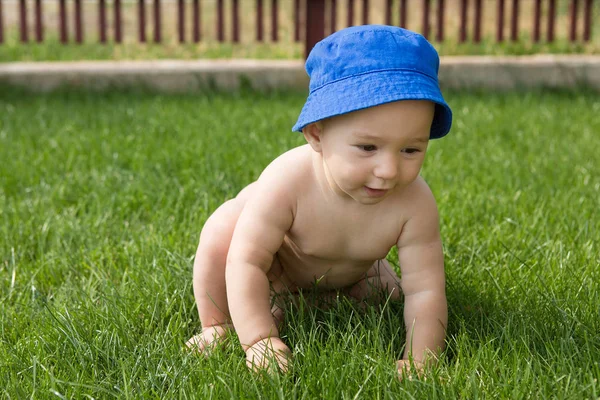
(53, 50)
(103, 196)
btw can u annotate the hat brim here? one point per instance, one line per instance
(373, 89)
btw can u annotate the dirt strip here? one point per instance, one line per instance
(472, 72)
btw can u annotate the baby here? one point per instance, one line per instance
(327, 213)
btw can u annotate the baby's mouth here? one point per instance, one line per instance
(375, 192)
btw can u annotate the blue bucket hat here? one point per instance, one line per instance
(365, 66)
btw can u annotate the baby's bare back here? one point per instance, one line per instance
(331, 242)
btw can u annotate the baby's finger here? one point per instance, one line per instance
(409, 370)
(195, 342)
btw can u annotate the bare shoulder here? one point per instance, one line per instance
(292, 165)
(282, 180)
(422, 218)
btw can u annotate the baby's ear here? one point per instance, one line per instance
(312, 134)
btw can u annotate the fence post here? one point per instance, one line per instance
(118, 21)
(39, 27)
(514, 21)
(388, 12)
(63, 20)
(332, 15)
(1, 25)
(426, 4)
(78, 22)
(587, 21)
(23, 21)
(464, 5)
(142, 20)
(478, 21)
(181, 20)
(573, 25)
(259, 20)
(220, 21)
(102, 20)
(315, 24)
(274, 21)
(235, 17)
(157, 22)
(440, 21)
(551, 13)
(403, 14)
(500, 21)
(196, 24)
(296, 20)
(350, 19)
(537, 7)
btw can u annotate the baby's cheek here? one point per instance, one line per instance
(410, 174)
(354, 172)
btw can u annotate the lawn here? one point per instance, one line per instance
(103, 196)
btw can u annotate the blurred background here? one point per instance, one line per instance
(36, 30)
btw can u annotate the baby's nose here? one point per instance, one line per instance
(386, 169)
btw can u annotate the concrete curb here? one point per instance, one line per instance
(472, 72)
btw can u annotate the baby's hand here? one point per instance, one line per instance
(210, 337)
(265, 352)
(409, 369)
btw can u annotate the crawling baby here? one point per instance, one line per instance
(325, 215)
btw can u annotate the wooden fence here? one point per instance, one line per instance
(312, 17)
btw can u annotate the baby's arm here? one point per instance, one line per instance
(423, 281)
(258, 235)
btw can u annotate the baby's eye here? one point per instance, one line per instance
(410, 151)
(367, 147)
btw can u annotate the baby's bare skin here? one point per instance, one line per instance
(325, 215)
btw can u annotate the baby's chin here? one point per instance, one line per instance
(369, 197)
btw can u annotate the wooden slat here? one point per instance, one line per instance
(500, 21)
(297, 20)
(259, 21)
(350, 21)
(196, 23)
(157, 22)
(274, 20)
(333, 15)
(573, 24)
(478, 19)
(388, 12)
(118, 21)
(39, 22)
(181, 20)
(142, 20)
(426, 4)
(78, 22)
(587, 21)
(514, 21)
(1, 24)
(24, 32)
(537, 8)
(365, 12)
(102, 20)
(62, 20)
(315, 24)
(462, 35)
(551, 20)
(235, 20)
(440, 21)
(403, 14)
(220, 21)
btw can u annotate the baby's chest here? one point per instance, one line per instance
(336, 236)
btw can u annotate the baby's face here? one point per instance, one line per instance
(370, 153)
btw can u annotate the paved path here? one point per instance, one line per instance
(490, 72)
